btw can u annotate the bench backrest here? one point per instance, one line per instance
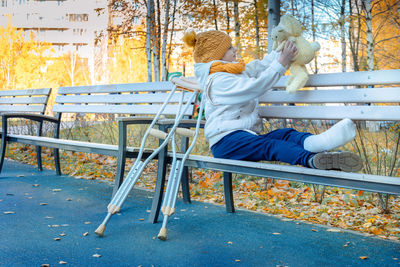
(338, 95)
(132, 98)
(25, 101)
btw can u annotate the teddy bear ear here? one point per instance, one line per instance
(291, 25)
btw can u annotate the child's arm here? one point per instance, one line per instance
(255, 67)
(227, 89)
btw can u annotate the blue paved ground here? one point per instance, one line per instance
(199, 235)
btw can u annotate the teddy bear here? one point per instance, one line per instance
(290, 29)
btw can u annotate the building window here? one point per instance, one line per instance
(77, 17)
(3, 3)
(78, 32)
(117, 6)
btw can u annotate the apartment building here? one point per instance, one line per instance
(69, 25)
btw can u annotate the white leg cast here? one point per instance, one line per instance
(339, 134)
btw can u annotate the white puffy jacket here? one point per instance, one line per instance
(232, 99)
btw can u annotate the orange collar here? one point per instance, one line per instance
(234, 68)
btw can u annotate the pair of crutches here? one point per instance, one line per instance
(168, 206)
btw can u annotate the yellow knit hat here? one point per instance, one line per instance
(208, 46)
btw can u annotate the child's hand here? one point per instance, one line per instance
(289, 51)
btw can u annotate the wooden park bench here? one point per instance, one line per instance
(360, 96)
(141, 101)
(29, 104)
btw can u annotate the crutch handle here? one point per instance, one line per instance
(113, 208)
(157, 133)
(185, 132)
(187, 83)
(167, 210)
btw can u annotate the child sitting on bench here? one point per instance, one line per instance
(232, 122)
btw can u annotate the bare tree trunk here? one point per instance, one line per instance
(109, 47)
(215, 15)
(370, 38)
(273, 19)
(313, 35)
(172, 33)
(70, 65)
(227, 17)
(9, 84)
(164, 44)
(237, 27)
(258, 52)
(156, 44)
(354, 34)
(149, 27)
(343, 34)
(293, 7)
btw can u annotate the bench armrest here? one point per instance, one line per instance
(34, 117)
(135, 120)
(188, 123)
(185, 123)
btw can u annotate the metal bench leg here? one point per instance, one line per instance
(39, 149)
(160, 185)
(230, 207)
(3, 143)
(57, 161)
(121, 160)
(185, 185)
(56, 150)
(185, 174)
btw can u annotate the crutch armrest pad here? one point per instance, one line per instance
(188, 83)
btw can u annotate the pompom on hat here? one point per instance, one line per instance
(208, 46)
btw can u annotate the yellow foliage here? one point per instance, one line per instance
(128, 62)
(386, 32)
(22, 61)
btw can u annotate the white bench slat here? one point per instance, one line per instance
(23, 100)
(27, 92)
(294, 169)
(374, 183)
(22, 108)
(115, 88)
(119, 109)
(123, 98)
(349, 78)
(384, 113)
(370, 95)
(70, 144)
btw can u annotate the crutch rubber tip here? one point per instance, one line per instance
(162, 235)
(100, 230)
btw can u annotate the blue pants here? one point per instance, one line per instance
(284, 145)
